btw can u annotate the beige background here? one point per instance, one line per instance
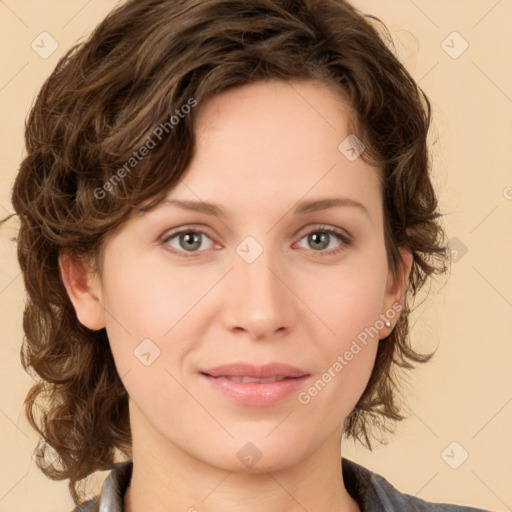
(465, 394)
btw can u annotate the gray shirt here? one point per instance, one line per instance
(372, 492)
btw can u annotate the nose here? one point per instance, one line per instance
(258, 297)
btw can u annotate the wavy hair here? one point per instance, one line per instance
(101, 105)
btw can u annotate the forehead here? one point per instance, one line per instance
(274, 142)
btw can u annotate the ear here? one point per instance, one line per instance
(84, 290)
(397, 288)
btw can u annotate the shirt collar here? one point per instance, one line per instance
(359, 482)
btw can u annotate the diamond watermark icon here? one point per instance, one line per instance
(454, 455)
(44, 45)
(249, 249)
(249, 454)
(146, 352)
(454, 45)
(351, 147)
(457, 249)
(44, 455)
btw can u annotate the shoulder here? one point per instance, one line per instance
(112, 492)
(88, 506)
(374, 493)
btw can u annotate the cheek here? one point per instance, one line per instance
(148, 298)
(345, 301)
(144, 327)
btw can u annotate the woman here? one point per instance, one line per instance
(223, 208)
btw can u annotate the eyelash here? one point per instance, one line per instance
(346, 241)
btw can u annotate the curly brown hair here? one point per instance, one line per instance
(102, 103)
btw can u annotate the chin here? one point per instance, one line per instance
(255, 454)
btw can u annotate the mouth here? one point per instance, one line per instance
(247, 379)
(255, 386)
(271, 372)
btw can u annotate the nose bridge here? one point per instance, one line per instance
(258, 300)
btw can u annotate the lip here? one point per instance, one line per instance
(256, 372)
(255, 394)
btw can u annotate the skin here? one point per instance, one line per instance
(260, 149)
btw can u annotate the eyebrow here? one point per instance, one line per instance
(301, 208)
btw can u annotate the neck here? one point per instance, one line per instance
(166, 478)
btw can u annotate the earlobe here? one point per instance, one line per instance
(83, 290)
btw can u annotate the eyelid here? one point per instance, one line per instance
(345, 238)
(192, 228)
(327, 228)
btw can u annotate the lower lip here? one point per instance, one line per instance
(256, 394)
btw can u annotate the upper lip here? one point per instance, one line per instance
(256, 372)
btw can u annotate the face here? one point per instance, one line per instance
(266, 280)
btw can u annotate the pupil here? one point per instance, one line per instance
(191, 239)
(320, 238)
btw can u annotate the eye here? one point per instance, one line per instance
(188, 240)
(191, 240)
(321, 236)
